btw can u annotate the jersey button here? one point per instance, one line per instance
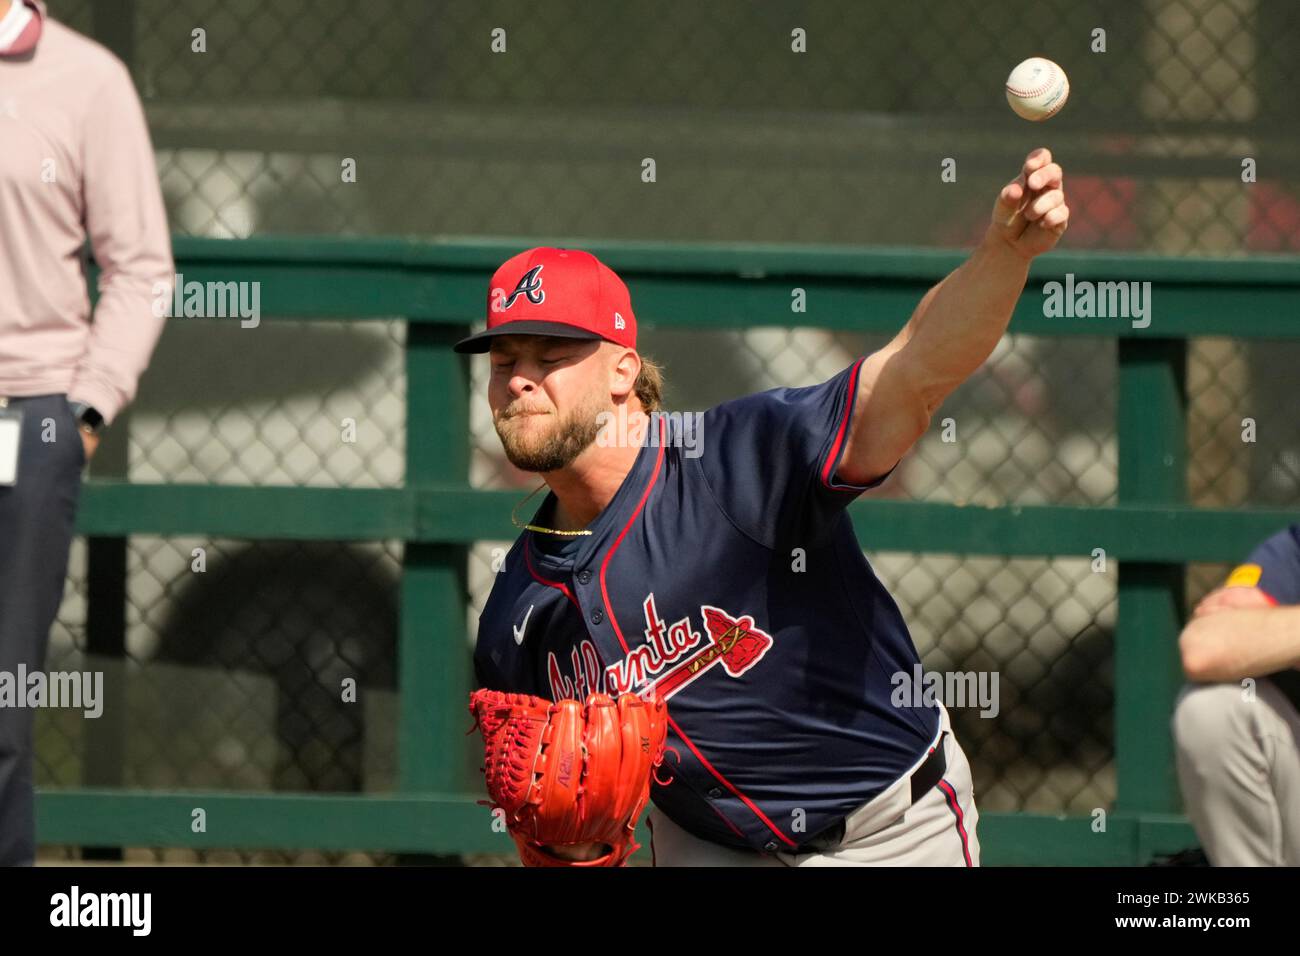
(597, 616)
(584, 577)
(715, 793)
(769, 846)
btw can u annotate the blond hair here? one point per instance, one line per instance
(649, 385)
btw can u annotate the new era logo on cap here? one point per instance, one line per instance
(555, 291)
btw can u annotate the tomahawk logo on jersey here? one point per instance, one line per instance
(733, 585)
(670, 658)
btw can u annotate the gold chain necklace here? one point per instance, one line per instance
(534, 527)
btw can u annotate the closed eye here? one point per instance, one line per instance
(546, 362)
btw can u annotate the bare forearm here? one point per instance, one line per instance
(1231, 644)
(955, 326)
(958, 323)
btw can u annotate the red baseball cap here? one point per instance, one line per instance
(554, 291)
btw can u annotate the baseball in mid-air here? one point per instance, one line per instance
(1037, 89)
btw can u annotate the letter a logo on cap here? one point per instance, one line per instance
(583, 299)
(531, 286)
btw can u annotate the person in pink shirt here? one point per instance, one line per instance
(76, 164)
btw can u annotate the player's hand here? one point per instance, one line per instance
(1030, 214)
(578, 852)
(1227, 599)
(89, 442)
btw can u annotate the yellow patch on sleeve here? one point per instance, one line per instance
(1244, 576)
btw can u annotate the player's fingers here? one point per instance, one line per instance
(1056, 219)
(1217, 596)
(1211, 602)
(1050, 176)
(1036, 160)
(1041, 205)
(1009, 200)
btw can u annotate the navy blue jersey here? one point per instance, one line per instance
(1274, 567)
(728, 579)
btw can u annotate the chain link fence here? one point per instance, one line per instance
(229, 677)
(486, 118)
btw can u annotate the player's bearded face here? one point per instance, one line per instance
(548, 441)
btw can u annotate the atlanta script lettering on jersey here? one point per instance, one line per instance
(671, 657)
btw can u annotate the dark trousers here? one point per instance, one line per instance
(36, 519)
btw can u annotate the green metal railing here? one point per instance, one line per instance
(439, 287)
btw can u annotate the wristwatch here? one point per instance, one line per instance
(88, 418)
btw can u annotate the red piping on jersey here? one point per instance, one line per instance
(1271, 600)
(831, 458)
(955, 807)
(618, 631)
(552, 584)
(604, 593)
(726, 821)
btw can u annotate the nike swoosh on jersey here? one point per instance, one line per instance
(519, 631)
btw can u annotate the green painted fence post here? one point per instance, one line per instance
(1152, 431)
(433, 657)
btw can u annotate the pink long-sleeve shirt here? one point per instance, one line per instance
(76, 163)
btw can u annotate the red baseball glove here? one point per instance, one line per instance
(570, 773)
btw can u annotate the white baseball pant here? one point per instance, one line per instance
(1239, 769)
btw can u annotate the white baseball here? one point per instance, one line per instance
(1037, 89)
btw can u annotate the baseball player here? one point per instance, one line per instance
(708, 564)
(1238, 744)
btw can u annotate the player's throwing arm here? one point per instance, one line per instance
(957, 323)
